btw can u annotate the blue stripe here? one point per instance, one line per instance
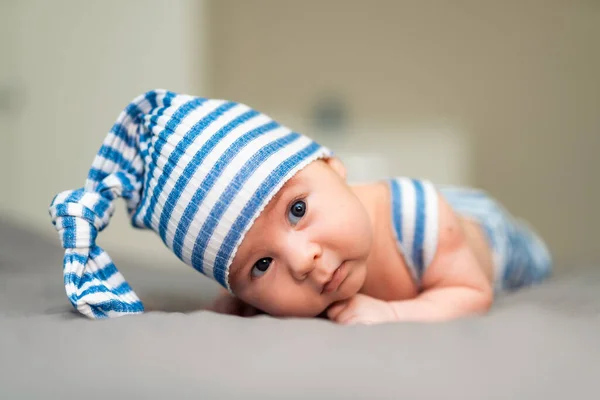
(88, 214)
(75, 196)
(397, 208)
(126, 185)
(210, 180)
(103, 274)
(79, 281)
(61, 210)
(101, 206)
(118, 306)
(120, 131)
(69, 232)
(96, 175)
(98, 314)
(120, 290)
(133, 110)
(417, 253)
(256, 201)
(231, 191)
(170, 127)
(145, 145)
(174, 158)
(151, 97)
(114, 155)
(75, 258)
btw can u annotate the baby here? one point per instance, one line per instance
(268, 214)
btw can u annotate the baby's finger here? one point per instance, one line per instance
(354, 319)
(335, 309)
(346, 315)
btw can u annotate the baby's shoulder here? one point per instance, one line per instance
(414, 216)
(412, 196)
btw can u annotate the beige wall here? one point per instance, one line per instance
(516, 81)
(6, 120)
(503, 95)
(74, 66)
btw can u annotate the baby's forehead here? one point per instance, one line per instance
(281, 194)
(301, 178)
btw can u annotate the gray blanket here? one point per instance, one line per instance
(537, 344)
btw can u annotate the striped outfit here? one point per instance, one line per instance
(519, 255)
(196, 171)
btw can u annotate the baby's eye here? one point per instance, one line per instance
(297, 211)
(261, 266)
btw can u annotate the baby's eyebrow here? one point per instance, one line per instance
(277, 198)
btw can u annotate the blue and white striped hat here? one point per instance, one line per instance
(196, 171)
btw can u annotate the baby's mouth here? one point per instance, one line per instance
(336, 279)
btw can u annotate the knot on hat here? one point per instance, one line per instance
(78, 215)
(93, 284)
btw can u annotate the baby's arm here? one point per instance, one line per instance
(454, 284)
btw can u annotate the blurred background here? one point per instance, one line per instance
(502, 95)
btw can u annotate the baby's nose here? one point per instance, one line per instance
(305, 261)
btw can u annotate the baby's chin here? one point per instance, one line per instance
(349, 288)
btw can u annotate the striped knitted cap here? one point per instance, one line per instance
(196, 171)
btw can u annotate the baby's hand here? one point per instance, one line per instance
(361, 309)
(226, 303)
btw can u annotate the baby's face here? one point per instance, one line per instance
(308, 248)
